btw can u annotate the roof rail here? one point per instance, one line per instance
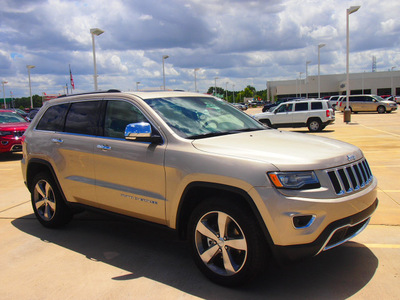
(90, 93)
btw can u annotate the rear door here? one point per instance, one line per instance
(300, 113)
(72, 150)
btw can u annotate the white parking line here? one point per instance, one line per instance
(387, 132)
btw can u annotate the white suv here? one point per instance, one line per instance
(311, 113)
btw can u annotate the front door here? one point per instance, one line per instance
(130, 177)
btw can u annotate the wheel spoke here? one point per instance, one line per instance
(228, 264)
(239, 244)
(204, 230)
(47, 189)
(222, 223)
(51, 204)
(39, 204)
(208, 255)
(40, 189)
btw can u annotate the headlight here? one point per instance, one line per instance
(294, 180)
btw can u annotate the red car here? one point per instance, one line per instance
(12, 127)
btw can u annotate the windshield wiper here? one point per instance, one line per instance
(212, 134)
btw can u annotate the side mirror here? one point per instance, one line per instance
(141, 132)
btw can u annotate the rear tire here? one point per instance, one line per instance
(48, 203)
(226, 243)
(314, 125)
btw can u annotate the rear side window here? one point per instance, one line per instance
(316, 105)
(83, 118)
(301, 106)
(53, 118)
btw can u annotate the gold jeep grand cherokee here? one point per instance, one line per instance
(241, 193)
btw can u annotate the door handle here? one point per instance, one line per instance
(104, 147)
(57, 141)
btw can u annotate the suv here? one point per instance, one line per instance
(366, 103)
(311, 113)
(239, 192)
(12, 127)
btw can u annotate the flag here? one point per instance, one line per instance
(71, 79)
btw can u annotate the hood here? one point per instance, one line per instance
(14, 126)
(288, 151)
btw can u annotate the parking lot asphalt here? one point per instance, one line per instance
(98, 257)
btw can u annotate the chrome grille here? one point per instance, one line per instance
(351, 177)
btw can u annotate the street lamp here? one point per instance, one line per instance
(29, 67)
(233, 91)
(95, 31)
(393, 92)
(4, 94)
(347, 111)
(319, 64)
(163, 69)
(226, 91)
(195, 80)
(137, 85)
(300, 73)
(215, 89)
(306, 83)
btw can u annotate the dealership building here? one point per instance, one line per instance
(378, 83)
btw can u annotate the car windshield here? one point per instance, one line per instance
(10, 117)
(201, 117)
(379, 98)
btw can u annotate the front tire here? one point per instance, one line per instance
(381, 109)
(48, 203)
(226, 243)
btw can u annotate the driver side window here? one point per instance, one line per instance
(118, 115)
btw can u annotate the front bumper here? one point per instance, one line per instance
(335, 234)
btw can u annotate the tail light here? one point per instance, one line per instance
(328, 113)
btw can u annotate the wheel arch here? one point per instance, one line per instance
(196, 192)
(37, 165)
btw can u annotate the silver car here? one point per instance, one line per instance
(367, 103)
(242, 194)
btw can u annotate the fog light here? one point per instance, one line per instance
(4, 143)
(301, 222)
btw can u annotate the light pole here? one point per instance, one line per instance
(347, 111)
(29, 67)
(393, 92)
(163, 69)
(93, 32)
(319, 65)
(195, 79)
(300, 73)
(4, 94)
(137, 85)
(233, 91)
(306, 83)
(215, 89)
(226, 91)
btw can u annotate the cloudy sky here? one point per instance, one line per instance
(240, 42)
